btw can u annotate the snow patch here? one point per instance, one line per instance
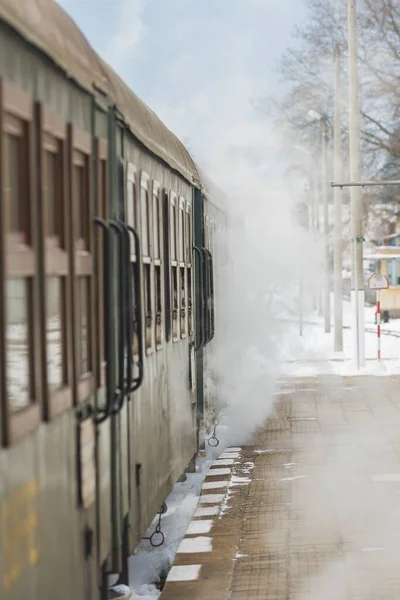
(211, 498)
(207, 511)
(184, 573)
(213, 485)
(230, 455)
(224, 462)
(215, 472)
(195, 545)
(197, 527)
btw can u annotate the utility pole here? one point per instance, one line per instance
(357, 292)
(327, 308)
(337, 168)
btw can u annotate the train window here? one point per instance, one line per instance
(167, 261)
(19, 333)
(15, 149)
(83, 280)
(131, 200)
(131, 214)
(20, 376)
(182, 281)
(102, 211)
(175, 307)
(157, 246)
(84, 304)
(145, 221)
(148, 305)
(181, 230)
(145, 216)
(189, 249)
(189, 268)
(190, 300)
(172, 227)
(157, 220)
(58, 337)
(158, 293)
(80, 182)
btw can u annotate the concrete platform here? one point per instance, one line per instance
(309, 509)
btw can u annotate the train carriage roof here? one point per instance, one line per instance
(48, 27)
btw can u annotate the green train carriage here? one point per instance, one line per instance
(105, 314)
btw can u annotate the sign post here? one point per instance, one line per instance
(378, 282)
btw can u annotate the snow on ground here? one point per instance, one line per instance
(149, 565)
(313, 353)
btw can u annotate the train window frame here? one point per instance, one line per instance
(80, 145)
(56, 259)
(158, 231)
(19, 261)
(174, 266)
(102, 210)
(189, 266)
(132, 181)
(181, 243)
(148, 276)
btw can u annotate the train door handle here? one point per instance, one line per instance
(200, 343)
(137, 382)
(103, 414)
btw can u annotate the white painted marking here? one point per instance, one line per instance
(184, 573)
(213, 485)
(194, 545)
(223, 462)
(386, 477)
(211, 498)
(233, 449)
(206, 511)
(215, 472)
(240, 480)
(230, 455)
(197, 527)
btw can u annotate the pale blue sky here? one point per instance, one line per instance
(197, 63)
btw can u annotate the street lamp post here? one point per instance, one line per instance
(357, 294)
(337, 167)
(315, 116)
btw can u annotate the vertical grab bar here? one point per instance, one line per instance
(200, 343)
(120, 390)
(211, 289)
(102, 414)
(129, 310)
(137, 382)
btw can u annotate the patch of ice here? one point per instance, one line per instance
(184, 573)
(293, 478)
(239, 555)
(233, 449)
(197, 527)
(224, 462)
(211, 498)
(194, 545)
